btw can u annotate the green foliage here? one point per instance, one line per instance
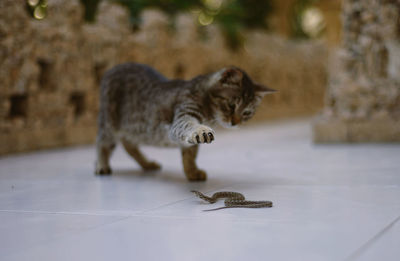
(90, 9)
(37, 9)
(242, 14)
(231, 15)
(170, 7)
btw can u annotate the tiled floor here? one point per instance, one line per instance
(331, 202)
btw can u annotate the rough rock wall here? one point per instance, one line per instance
(363, 97)
(50, 69)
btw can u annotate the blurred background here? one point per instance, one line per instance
(336, 60)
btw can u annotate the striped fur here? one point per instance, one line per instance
(139, 106)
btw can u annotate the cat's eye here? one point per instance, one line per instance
(246, 113)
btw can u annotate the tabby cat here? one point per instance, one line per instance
(139, 106)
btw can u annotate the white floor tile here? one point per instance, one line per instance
(330, 202)
(160, 238)
(22, 231)
(383, 246)
(67, 184)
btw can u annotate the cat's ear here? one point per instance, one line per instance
(231, 75)
(263, 90)
(226, 76)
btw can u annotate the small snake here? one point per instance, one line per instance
(232, 200)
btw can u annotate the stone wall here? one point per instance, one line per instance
(50, 69)
(363, 98)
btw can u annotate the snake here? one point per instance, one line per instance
(232, 200)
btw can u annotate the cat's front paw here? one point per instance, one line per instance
(103, 171)
(202, 134)
(197, 175)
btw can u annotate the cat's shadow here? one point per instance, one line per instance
(165, 176)
(141, 174)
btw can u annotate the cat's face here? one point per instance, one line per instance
(234, 96)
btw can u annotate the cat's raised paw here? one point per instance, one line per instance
(202, 134)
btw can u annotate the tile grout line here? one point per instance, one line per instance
(121, 218)
(62, 213)
(127, 215)
(371, 241)
(140, 213)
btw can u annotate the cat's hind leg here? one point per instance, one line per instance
(104, 151)
(193, 173)
(105, 144)
(135, 153)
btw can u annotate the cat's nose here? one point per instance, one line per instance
(235, 121)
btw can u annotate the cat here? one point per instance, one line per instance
(139, 106)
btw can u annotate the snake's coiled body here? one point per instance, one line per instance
(232, 200)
